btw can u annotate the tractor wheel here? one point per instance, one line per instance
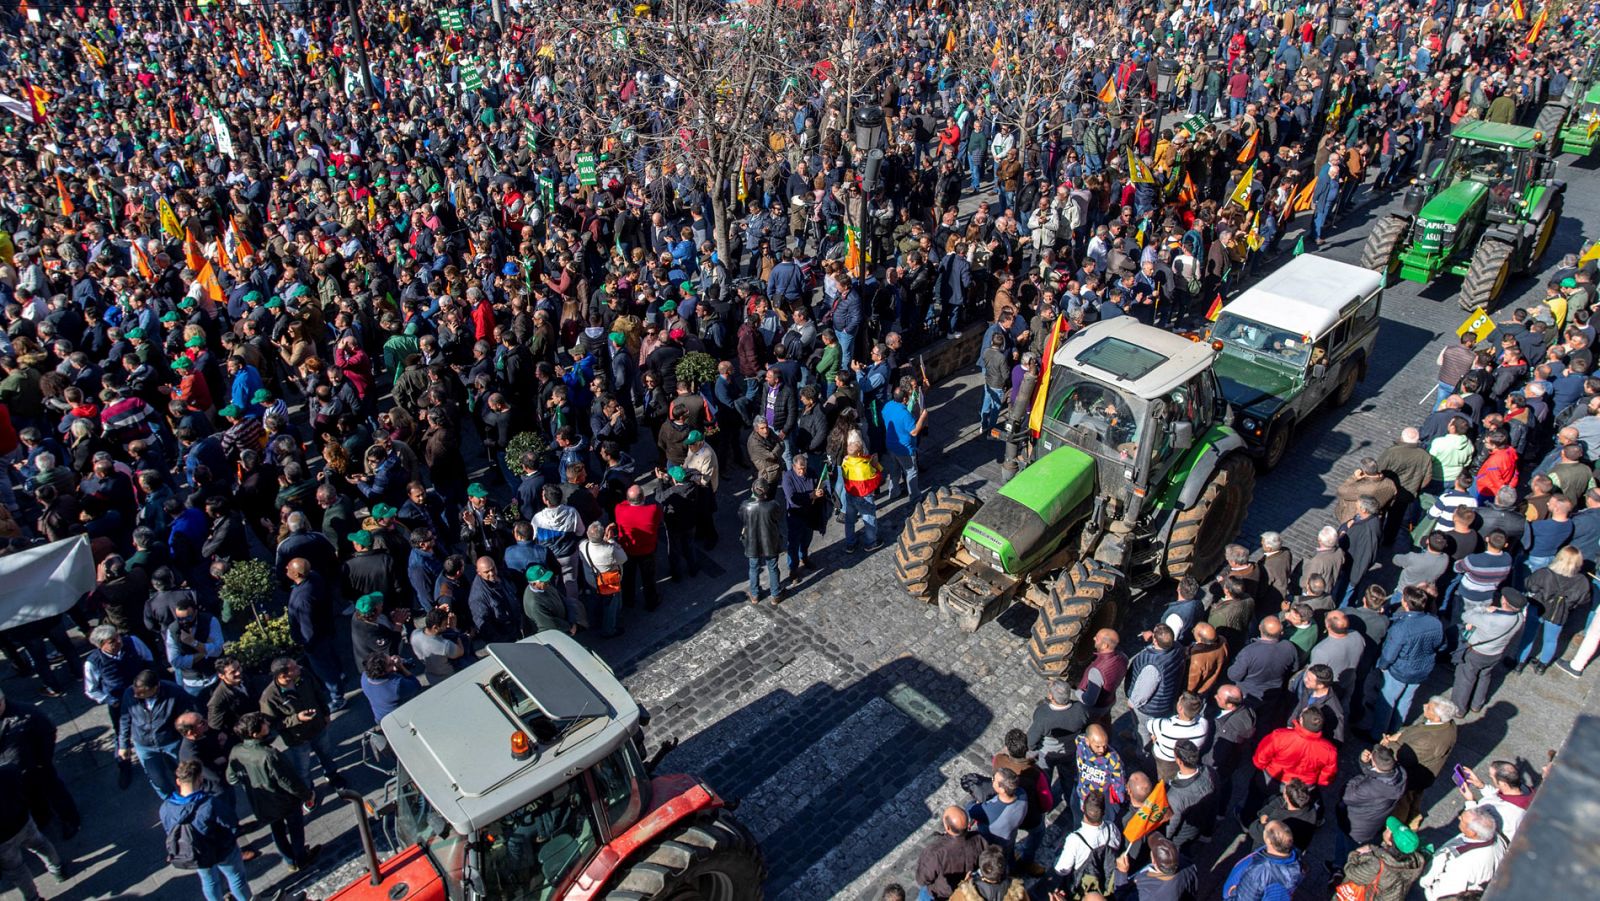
(1547, 228)
(1202, 532)
(710, 857)
(1381, 253)
(1486, 275)
(1549, 121)
(1083, 600)
(1276, 445)
(922, 557)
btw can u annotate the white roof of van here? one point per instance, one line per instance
(1305, 295)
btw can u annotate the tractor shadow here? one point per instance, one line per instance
(833, 779)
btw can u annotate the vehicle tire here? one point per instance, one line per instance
(1549, 121)
(1487, 275)
(1202, 532)
(711, 857)
(1084, 599)
(1547, 228)
(1381, 253)
(1276, 445)
(922, 555)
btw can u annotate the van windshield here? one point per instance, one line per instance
(1264, 342)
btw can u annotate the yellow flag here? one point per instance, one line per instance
(1241, 194)
(169, 220)
(95, 53)
(1138, 172)
(950, 41)
(1478, 323)
(372, 209)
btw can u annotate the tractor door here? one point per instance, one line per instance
(532, 852)
(621, 790)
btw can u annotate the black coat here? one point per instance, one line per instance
(1368, 797)
(762, 527)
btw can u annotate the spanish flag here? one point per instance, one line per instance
(1138, 172)
(1036, 415)
(1248, 152)
(1215, 309)
(61, 192)
(1518, 11)
(1108, 91)
(1538, 25)
(172, 118)
(950, 41)
(37, 98)
(95, 53)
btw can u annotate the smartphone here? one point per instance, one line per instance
(1459, 775)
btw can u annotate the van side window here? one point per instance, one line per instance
(1367, 313)
(1337, 337)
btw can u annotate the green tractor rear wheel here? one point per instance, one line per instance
(923, 557)
(1547, 228)
(1201, 532)
(1549, 123)
(1381, 253)
(1084, 599)
(1487, 275)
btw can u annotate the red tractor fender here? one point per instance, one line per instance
(407, 876)
(674, 798)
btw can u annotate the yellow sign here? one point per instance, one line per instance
(169, 219)
(1593, 253)
(1478, 323)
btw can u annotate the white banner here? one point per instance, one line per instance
(44, 581)
(224, 137)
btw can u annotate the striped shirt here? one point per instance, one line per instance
(1167, 732)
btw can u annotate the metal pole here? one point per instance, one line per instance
(359, 33)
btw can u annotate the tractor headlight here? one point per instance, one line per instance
(1249, 424)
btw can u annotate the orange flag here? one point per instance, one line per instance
(143, 262)
(1151, 814)
(1186, 194)
(1538, 25)
(950, 41)
(222, 255)
(192, 254)
(1108, 91)
(1248, 152)
(208, 280)
(1302, 200)
(61, 192)
(241, 246)
(172, 118)
(238, 66)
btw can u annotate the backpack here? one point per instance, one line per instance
(1350, 891)
(186, 845)
(1094, 874)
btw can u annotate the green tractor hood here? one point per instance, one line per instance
(1253, 386)
(1032, 514)
(1454, 204)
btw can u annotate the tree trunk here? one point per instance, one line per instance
(720, 221)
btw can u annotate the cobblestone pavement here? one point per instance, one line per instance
(843, 718)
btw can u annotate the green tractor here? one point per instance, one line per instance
(1572, 121)
(1136, 478)
(1486, 212)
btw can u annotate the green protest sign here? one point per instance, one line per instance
(586, 170)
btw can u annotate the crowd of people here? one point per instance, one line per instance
(440, 316)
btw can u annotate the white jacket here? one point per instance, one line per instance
(1459, 867)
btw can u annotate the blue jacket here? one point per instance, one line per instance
(787, 281)
(1262, 877)
(212, 819)
(1408, 649)
(847, 313)
(151, 724)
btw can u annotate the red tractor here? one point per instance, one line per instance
(522, 778)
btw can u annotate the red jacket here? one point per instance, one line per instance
(638, 527)
(1497, 472)
(1294, 753)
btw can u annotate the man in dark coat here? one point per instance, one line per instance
(765, 536)
(1368, 798)
(947, 860)
(275, 790)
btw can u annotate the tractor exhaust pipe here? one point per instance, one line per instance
(367, 847)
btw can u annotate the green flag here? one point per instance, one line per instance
(1300, 246)
(471, 76)
(451, 20)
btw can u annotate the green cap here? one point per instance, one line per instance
(261, 396)
(1569, 282)
(298, 290)
(252, 296)
(1404, 838)
(435, 188)
(476, 489)
(188, 303)
(134, 333)
(669, 307)
(383, 511)
(169, 317)
(229, 412)
(196, 341)
(687, 287)
(617, 338)
(275, 304)
(677, 474)
(695, 437)
(537, 573)
(381, 180)
(182, 363)
(361, 537)
(371, 603)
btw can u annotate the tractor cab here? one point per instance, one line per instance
(1132, 397)
(521, 778)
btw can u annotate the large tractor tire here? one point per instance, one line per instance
(1084, 599)
(923, 556)
(1549, 123)
(1547, 228)
(710, 857)
(1381, 253)
(1487, 275)
(1202, 532)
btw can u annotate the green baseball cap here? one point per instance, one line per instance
(134, 334)
(476, 489)
(229, 412)
(275, 304)
(383, 511)
(677, 474)
(361, 537)
(669, 306)
(617, 338)
(196, 341)
(261, 396)
(695, 437)
(182, 363)
(252, 296)
(1404, 838)
(169, 317)
(537, 573)
(188, 303)
(370, 603)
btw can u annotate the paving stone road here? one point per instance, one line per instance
(844, 718)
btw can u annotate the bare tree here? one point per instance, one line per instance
(1026, 68)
